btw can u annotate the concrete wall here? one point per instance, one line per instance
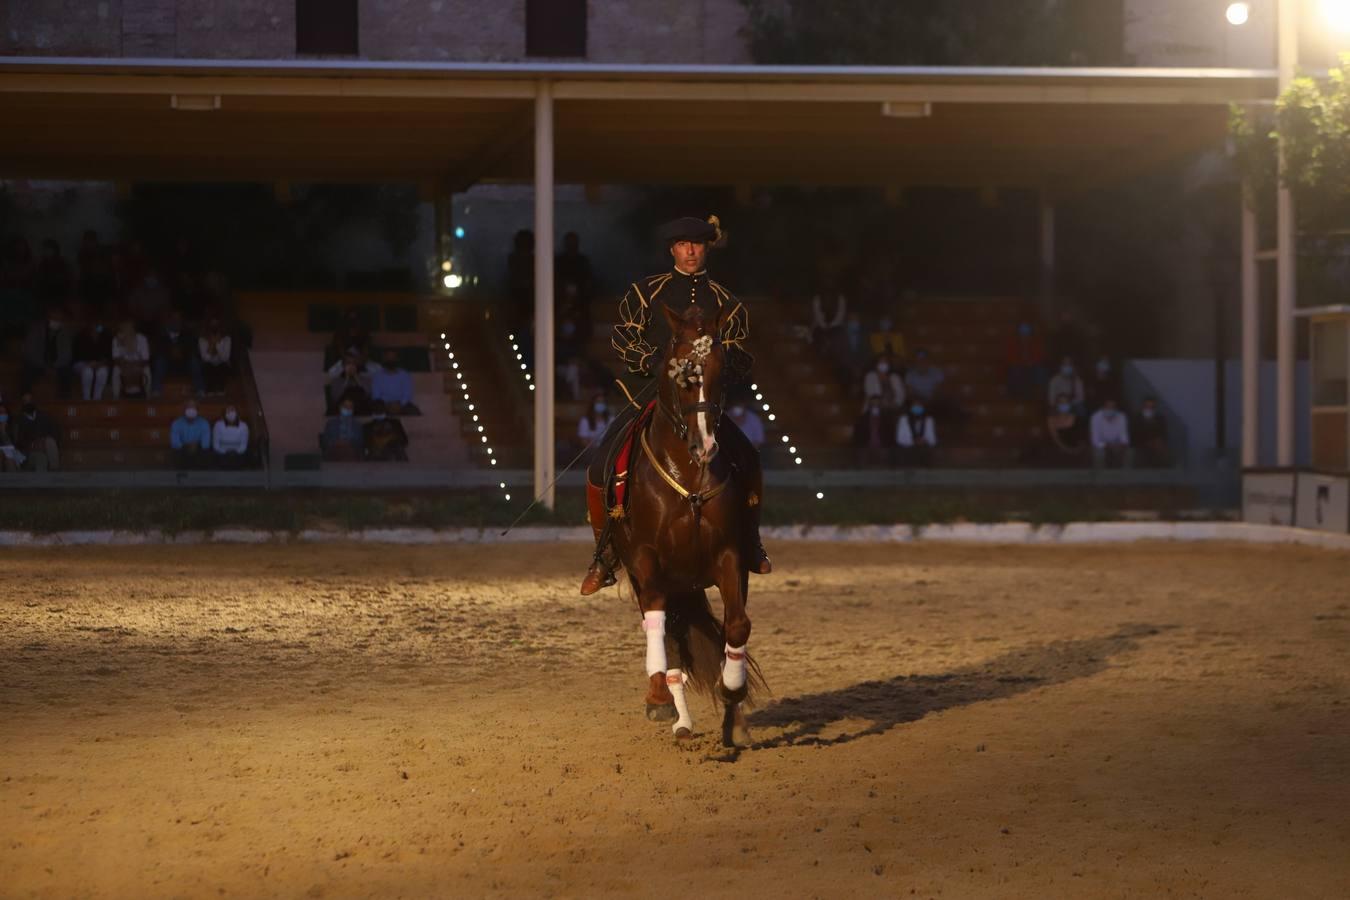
(1196, 33)
(619, 31)
(1186, 388)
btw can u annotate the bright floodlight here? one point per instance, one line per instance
(820, 495)
(1337, 14)
(447, 266)
(453, 281)
(1239, 13)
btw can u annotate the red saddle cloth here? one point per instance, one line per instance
(595, 494)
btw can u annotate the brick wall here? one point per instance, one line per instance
(619, 31)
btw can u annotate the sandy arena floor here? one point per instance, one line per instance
(341, 721)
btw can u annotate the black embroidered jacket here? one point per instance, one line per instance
(641, 335)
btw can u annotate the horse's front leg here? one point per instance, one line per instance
(732, 584)
(652, 602)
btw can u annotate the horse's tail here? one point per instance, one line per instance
(698, 634)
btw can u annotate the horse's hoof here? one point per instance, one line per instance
(730, 698)
(683, 734)
(735, 733)
(662, 712)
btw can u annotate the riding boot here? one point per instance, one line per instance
(759, 562)
(601, 573)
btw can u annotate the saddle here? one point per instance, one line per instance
(610, 499)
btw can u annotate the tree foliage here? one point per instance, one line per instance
(1313, 119)
(935, 32)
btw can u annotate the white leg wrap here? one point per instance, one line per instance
(654, 623)
(733, 668)
(675, 682)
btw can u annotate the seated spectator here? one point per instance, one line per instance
(1026, 362)
(874, 434)
(749, 422)
(10, 457)
(924, 380)
(343, 439)
(1066, 432)
(1111, 436)
(175, 353)
(594, 422)
(36, 437)
(229, 440)
(93, 360)
(827, 319)
(1150, 436)
(48, 348)
(214, 348)
(1102, 382)
(351, 339)
(348, 382)
(852, 352)
(916, 436)
(384, 437)
(149, 302)
(391, 385)
(131, 362)
(886, 339)
(884, 384)
(190, 439)
(1066, 382)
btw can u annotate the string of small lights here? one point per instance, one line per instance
(786, 438)
(520, 358)
(463, 387)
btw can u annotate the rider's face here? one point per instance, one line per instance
(689, 255)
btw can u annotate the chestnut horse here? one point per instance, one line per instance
(684, 530)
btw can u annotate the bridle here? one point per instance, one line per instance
(687, 372)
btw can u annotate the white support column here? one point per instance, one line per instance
(1251, 339)
(1286, 259)
(544, 450)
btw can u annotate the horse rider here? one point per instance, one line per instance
(641, 336)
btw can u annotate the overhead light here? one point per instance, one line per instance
(459, 231)
(447, 265)
(895, 109)
(1238, 13)
(452, 281)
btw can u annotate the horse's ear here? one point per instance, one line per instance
(672, 318)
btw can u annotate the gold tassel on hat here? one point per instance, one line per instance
(719, 236)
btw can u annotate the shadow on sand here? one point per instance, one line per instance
(907, 698)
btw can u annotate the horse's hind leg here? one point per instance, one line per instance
(735, 730)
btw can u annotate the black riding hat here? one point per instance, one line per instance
(700, 231)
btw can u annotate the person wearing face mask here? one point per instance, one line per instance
(1110, 430)
(1102, 381)
(384, 437)
(883, 383)
(594, 421)
(93, 359)
(190, 438)
(916, 436)
(131, 361)
(874, 434)
(1025, 357)
(348, 382)
(887, 339)
(174, 352)
(10, 457)
(1067, 382)
(48, 347)
(229, 440)
(749, 422)
(392, 385)
(36, 437)
(1065, 430)
(343, 439)
(1150, 436)
(216, 351)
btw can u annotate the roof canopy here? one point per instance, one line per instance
(454, 125)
